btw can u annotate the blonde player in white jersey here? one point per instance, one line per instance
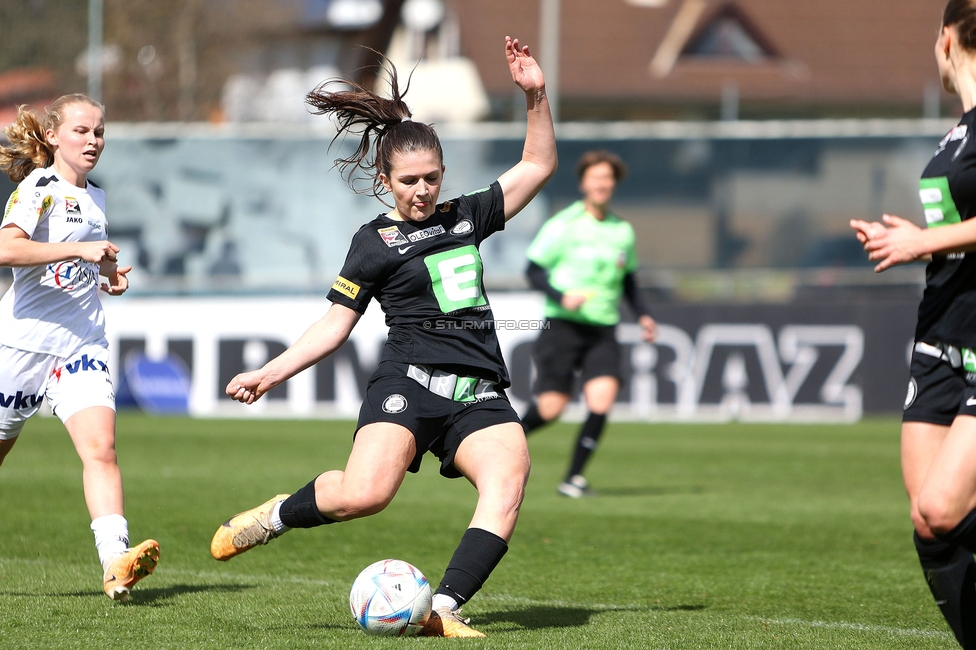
(52, 328)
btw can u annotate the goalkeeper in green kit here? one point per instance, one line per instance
(585, 260)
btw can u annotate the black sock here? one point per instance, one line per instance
(474, 559)
(964, 534)
(589, 435)
(951, 574)
(299, 510)
(532, 420)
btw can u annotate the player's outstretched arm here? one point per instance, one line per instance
(538, 164)
(319, 341)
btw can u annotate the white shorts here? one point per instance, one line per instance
(70, 384)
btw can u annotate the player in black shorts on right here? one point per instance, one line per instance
(938, 435)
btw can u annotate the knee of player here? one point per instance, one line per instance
(938, 512)
(509, 491)
(362, 504)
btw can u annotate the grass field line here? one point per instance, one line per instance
(857, 627)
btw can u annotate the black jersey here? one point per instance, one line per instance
(947, 189)
(427, 277)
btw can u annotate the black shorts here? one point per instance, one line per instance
(438, 423)
(565, 348)
(937, 391)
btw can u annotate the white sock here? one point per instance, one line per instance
(276, 523)
(443, 600)
(111, 537)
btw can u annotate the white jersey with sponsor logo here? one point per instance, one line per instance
(54, 308)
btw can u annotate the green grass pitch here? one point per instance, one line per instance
(702, 536)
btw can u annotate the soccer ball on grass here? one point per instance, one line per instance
(390, 598)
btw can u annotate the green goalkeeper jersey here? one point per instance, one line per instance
(586, 255)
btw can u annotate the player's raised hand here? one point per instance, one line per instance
(247, 387)
(525, 71)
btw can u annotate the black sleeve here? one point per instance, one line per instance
(363, 266)
(633, 295)
(486, 208)
(539, 280)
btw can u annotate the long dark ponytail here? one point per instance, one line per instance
(383, 126)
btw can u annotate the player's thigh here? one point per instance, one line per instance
(948, 492)
(920, 444)
(495, 458)
(380, 456)
(92, 430)
(23, 376)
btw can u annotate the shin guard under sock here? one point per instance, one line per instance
(589, 435)
(532, 420)
(474, 559)
(950, 572)
(300, 511)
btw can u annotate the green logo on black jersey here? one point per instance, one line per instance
(456, 278)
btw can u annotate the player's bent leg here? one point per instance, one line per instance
(600, 393)
(381, 454)
(496, 461)
(920, 443)
(92, 430)
(378, 462)
(948, 493)
(949, 570)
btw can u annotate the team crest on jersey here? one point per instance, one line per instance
(392, 236)
(959, 132)
(426, 233)
(395, 403)
(71, 205)
(463, 227)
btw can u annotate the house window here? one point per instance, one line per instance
(729, 34)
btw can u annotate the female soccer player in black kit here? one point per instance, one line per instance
(439, 385)
(938, 439)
